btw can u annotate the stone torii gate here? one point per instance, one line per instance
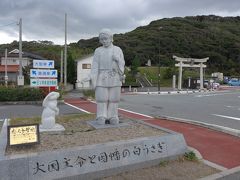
(190, 62)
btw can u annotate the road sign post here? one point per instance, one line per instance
(43, 76)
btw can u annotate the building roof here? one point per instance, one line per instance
(15, 53)
(10, 68)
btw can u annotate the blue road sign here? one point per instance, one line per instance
(48, 64)
(43, 73)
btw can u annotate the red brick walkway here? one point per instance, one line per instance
(214, 146)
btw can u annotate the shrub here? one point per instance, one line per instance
(190, 156)
(89, 93)
(20, 94)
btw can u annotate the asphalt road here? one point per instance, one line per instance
(221, 108)
(12, 111)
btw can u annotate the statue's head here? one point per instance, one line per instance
(106, 37)
(52, 96)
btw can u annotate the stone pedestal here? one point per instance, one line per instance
(94, 124)
(56, 127)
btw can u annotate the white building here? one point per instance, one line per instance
(83, 70)
(218, 75)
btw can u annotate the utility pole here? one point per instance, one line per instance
(20, 76)
(159, 65)
(6, 76)
(61, 75)
(159, 60)
(65, 53)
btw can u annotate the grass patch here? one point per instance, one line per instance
(25, 121)
(72, 123)
(163, 163)
(76, 122)
(74, 117)
(152, 75)
(190, 156)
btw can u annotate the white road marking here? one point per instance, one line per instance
(223, 128)
(118, 108)
(129, 111)
(220, 94)
(135, 113)
(78, 108)
(229, 117)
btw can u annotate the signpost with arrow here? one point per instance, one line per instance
(43, 76)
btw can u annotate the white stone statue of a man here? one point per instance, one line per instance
(106, 78)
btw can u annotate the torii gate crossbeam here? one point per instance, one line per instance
(190, 62)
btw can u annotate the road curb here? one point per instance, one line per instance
(209, 163)
(168, 92)
(206, 125)
(224, 174)
(3, 138)
(229, 174)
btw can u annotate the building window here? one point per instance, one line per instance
(86, 66)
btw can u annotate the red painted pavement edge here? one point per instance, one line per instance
(214, 146)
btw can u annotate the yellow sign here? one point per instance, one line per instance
(23, 134)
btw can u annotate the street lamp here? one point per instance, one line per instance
(159, 61)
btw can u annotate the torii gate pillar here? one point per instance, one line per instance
(190, 62)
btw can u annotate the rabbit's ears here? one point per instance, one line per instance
(50, 96)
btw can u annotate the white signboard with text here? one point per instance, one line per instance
(47, 64)
(43, 82)
(43, 73)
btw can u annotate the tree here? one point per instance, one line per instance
(135, 64)
(170, 71)
(71, 70)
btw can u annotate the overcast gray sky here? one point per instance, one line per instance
(44, 19)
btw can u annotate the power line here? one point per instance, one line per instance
(8, 24)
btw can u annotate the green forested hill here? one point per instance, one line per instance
(200, 36)
(46, 49)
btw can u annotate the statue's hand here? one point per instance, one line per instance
(85, 80)
(115, 58)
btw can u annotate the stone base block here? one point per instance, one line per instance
(94, 124)
(57, 127)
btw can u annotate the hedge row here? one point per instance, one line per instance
(21, 94)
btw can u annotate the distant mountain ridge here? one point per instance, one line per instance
(193, 36)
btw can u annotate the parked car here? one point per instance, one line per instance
(215, 85)
(234, 82)
(206, 84)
